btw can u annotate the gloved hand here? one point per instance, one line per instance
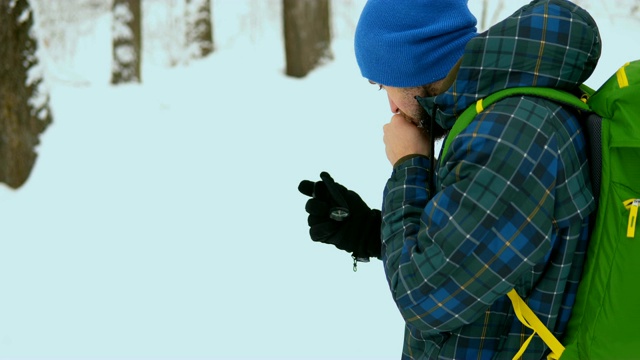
(340, 217)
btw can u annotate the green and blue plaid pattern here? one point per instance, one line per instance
(513, 197)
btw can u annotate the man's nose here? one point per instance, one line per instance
(392, 105)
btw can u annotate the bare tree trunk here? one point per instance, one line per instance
(498, 6)
(497, 12)
(483, 17)
(127, 41)
(307, 33)
(24, 101)
(199, 28)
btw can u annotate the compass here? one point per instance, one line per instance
(339, 213)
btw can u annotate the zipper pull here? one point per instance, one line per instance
(632, 205)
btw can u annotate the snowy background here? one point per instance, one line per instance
(162, 219)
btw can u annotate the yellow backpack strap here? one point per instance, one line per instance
(530, 320)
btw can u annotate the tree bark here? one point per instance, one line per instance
(307, 33)
(127, 41)
(199, 28)
(24, 101)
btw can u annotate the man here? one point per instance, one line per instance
(508, 205)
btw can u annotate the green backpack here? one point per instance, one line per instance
(606, 316)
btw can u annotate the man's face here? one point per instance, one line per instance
(403, 101)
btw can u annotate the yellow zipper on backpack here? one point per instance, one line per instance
(632, 205)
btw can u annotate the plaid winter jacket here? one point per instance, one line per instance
(512, 196)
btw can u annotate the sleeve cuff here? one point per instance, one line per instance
(407, 158)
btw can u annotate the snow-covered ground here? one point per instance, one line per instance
(162, 219)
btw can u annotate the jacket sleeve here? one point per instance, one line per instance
(449, 257)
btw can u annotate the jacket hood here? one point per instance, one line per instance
(547, 43)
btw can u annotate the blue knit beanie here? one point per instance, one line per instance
(407, 43)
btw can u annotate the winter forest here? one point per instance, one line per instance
(150, 152)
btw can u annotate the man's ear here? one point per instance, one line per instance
(450, 78)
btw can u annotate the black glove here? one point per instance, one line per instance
(340, 217)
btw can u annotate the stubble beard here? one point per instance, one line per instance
(422, 119)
